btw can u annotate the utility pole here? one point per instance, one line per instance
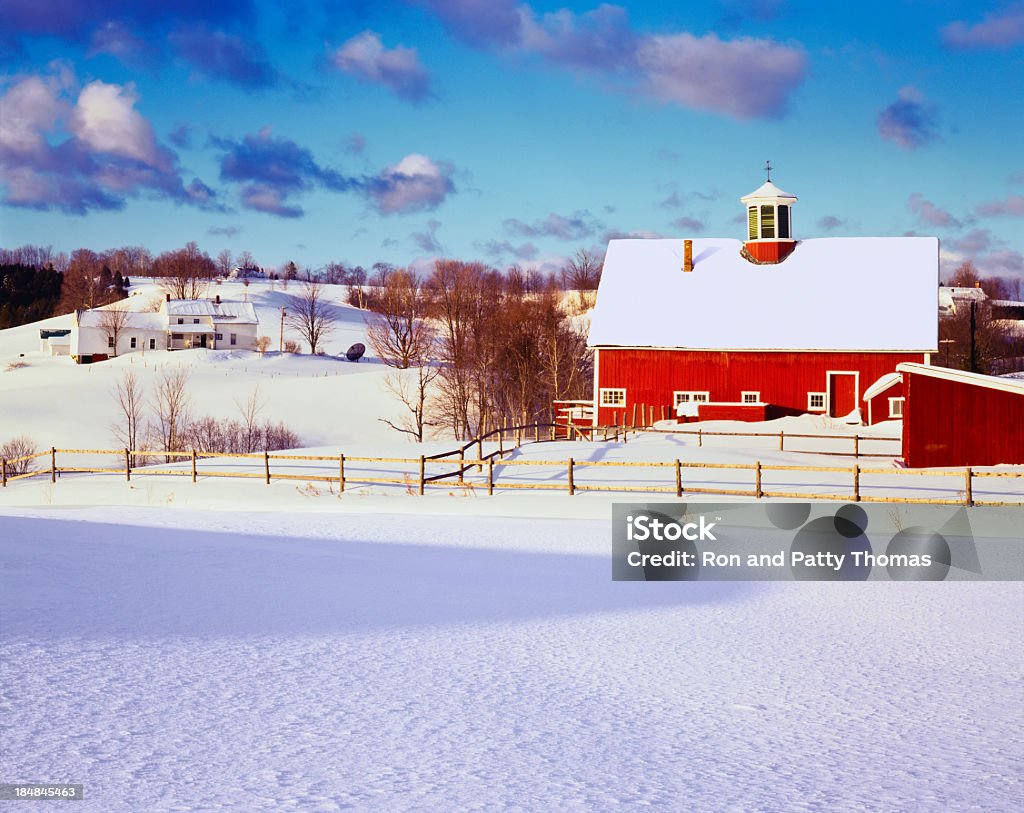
(280, 348)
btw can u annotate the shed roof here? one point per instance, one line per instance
(839, 293)
(1014, 385)
(884, 383)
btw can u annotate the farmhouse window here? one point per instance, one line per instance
(816, 401)
(110, 341)
(176, 336)
(219, 336)
(133, 343)
(895, 407)
(195, 321)
(181, 321)
(234, 338)
(751, 397)
(613, 397)
(152, 344)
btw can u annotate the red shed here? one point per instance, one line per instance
(791, 326)
(884, 399)
(955, 418)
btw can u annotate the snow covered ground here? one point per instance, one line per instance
(173, 660)
(229, 645)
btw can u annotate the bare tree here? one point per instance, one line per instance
(130, 402)
(186, 272)
(171, 403)
(412, 388)
(113, 320)
(263, 344)
(311, 315)
(581, 274)
(224, 262)
(250, 410)
(398, 333)
(21, 446)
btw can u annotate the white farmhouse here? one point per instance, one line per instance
(210, 323)
(180, 324)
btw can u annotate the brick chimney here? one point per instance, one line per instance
(687, 255)
(217, 299)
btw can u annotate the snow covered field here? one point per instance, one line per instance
(229, 645)
(177, 660)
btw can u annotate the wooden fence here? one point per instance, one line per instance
(478, 470)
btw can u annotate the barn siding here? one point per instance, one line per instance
(650, 376)
(954, 423)
(877, 409)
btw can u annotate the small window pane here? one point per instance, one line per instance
(752, 222)
(784, 221)
(767, 221)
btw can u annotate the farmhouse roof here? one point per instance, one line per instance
(237, 312)
(133, 320)
(839, 293)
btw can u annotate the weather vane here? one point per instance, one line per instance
(768, 169)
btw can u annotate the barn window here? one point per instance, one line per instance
(752, 222)
(767, 221)
(816, 401)
(152, 344)
(895, 407)
(110, 341)
(133, 343)
(613, 397)
(784, 222)
(749, 397)
(691, 397)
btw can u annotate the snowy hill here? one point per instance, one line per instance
(325, 399)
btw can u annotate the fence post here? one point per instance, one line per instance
(501, 444)
(679, 479)
(856, 482)
(700, 438)
(757, 480)
(422, 473)
(479, 452)
(782, 439)
(462, 463)
(536, 432)
(266, 465)
(572, 486)
(127, 465)
(53, 465)
(3, 471)
(969, 491)
(490, 476)
(856, 446)
(633, 421)
(341, 473)
(193, 465)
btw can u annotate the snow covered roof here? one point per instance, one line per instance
(238, 312)
(133, 320)
(767, 190)
(963, 293)
(836, 293)
(881, 385)
(1014, 385)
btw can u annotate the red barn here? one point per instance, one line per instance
(884, 399)
(759, 329)
(955, 418)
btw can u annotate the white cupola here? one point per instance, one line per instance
(769, 223)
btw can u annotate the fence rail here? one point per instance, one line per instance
(490, 474)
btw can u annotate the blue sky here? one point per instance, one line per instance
(506, 131)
